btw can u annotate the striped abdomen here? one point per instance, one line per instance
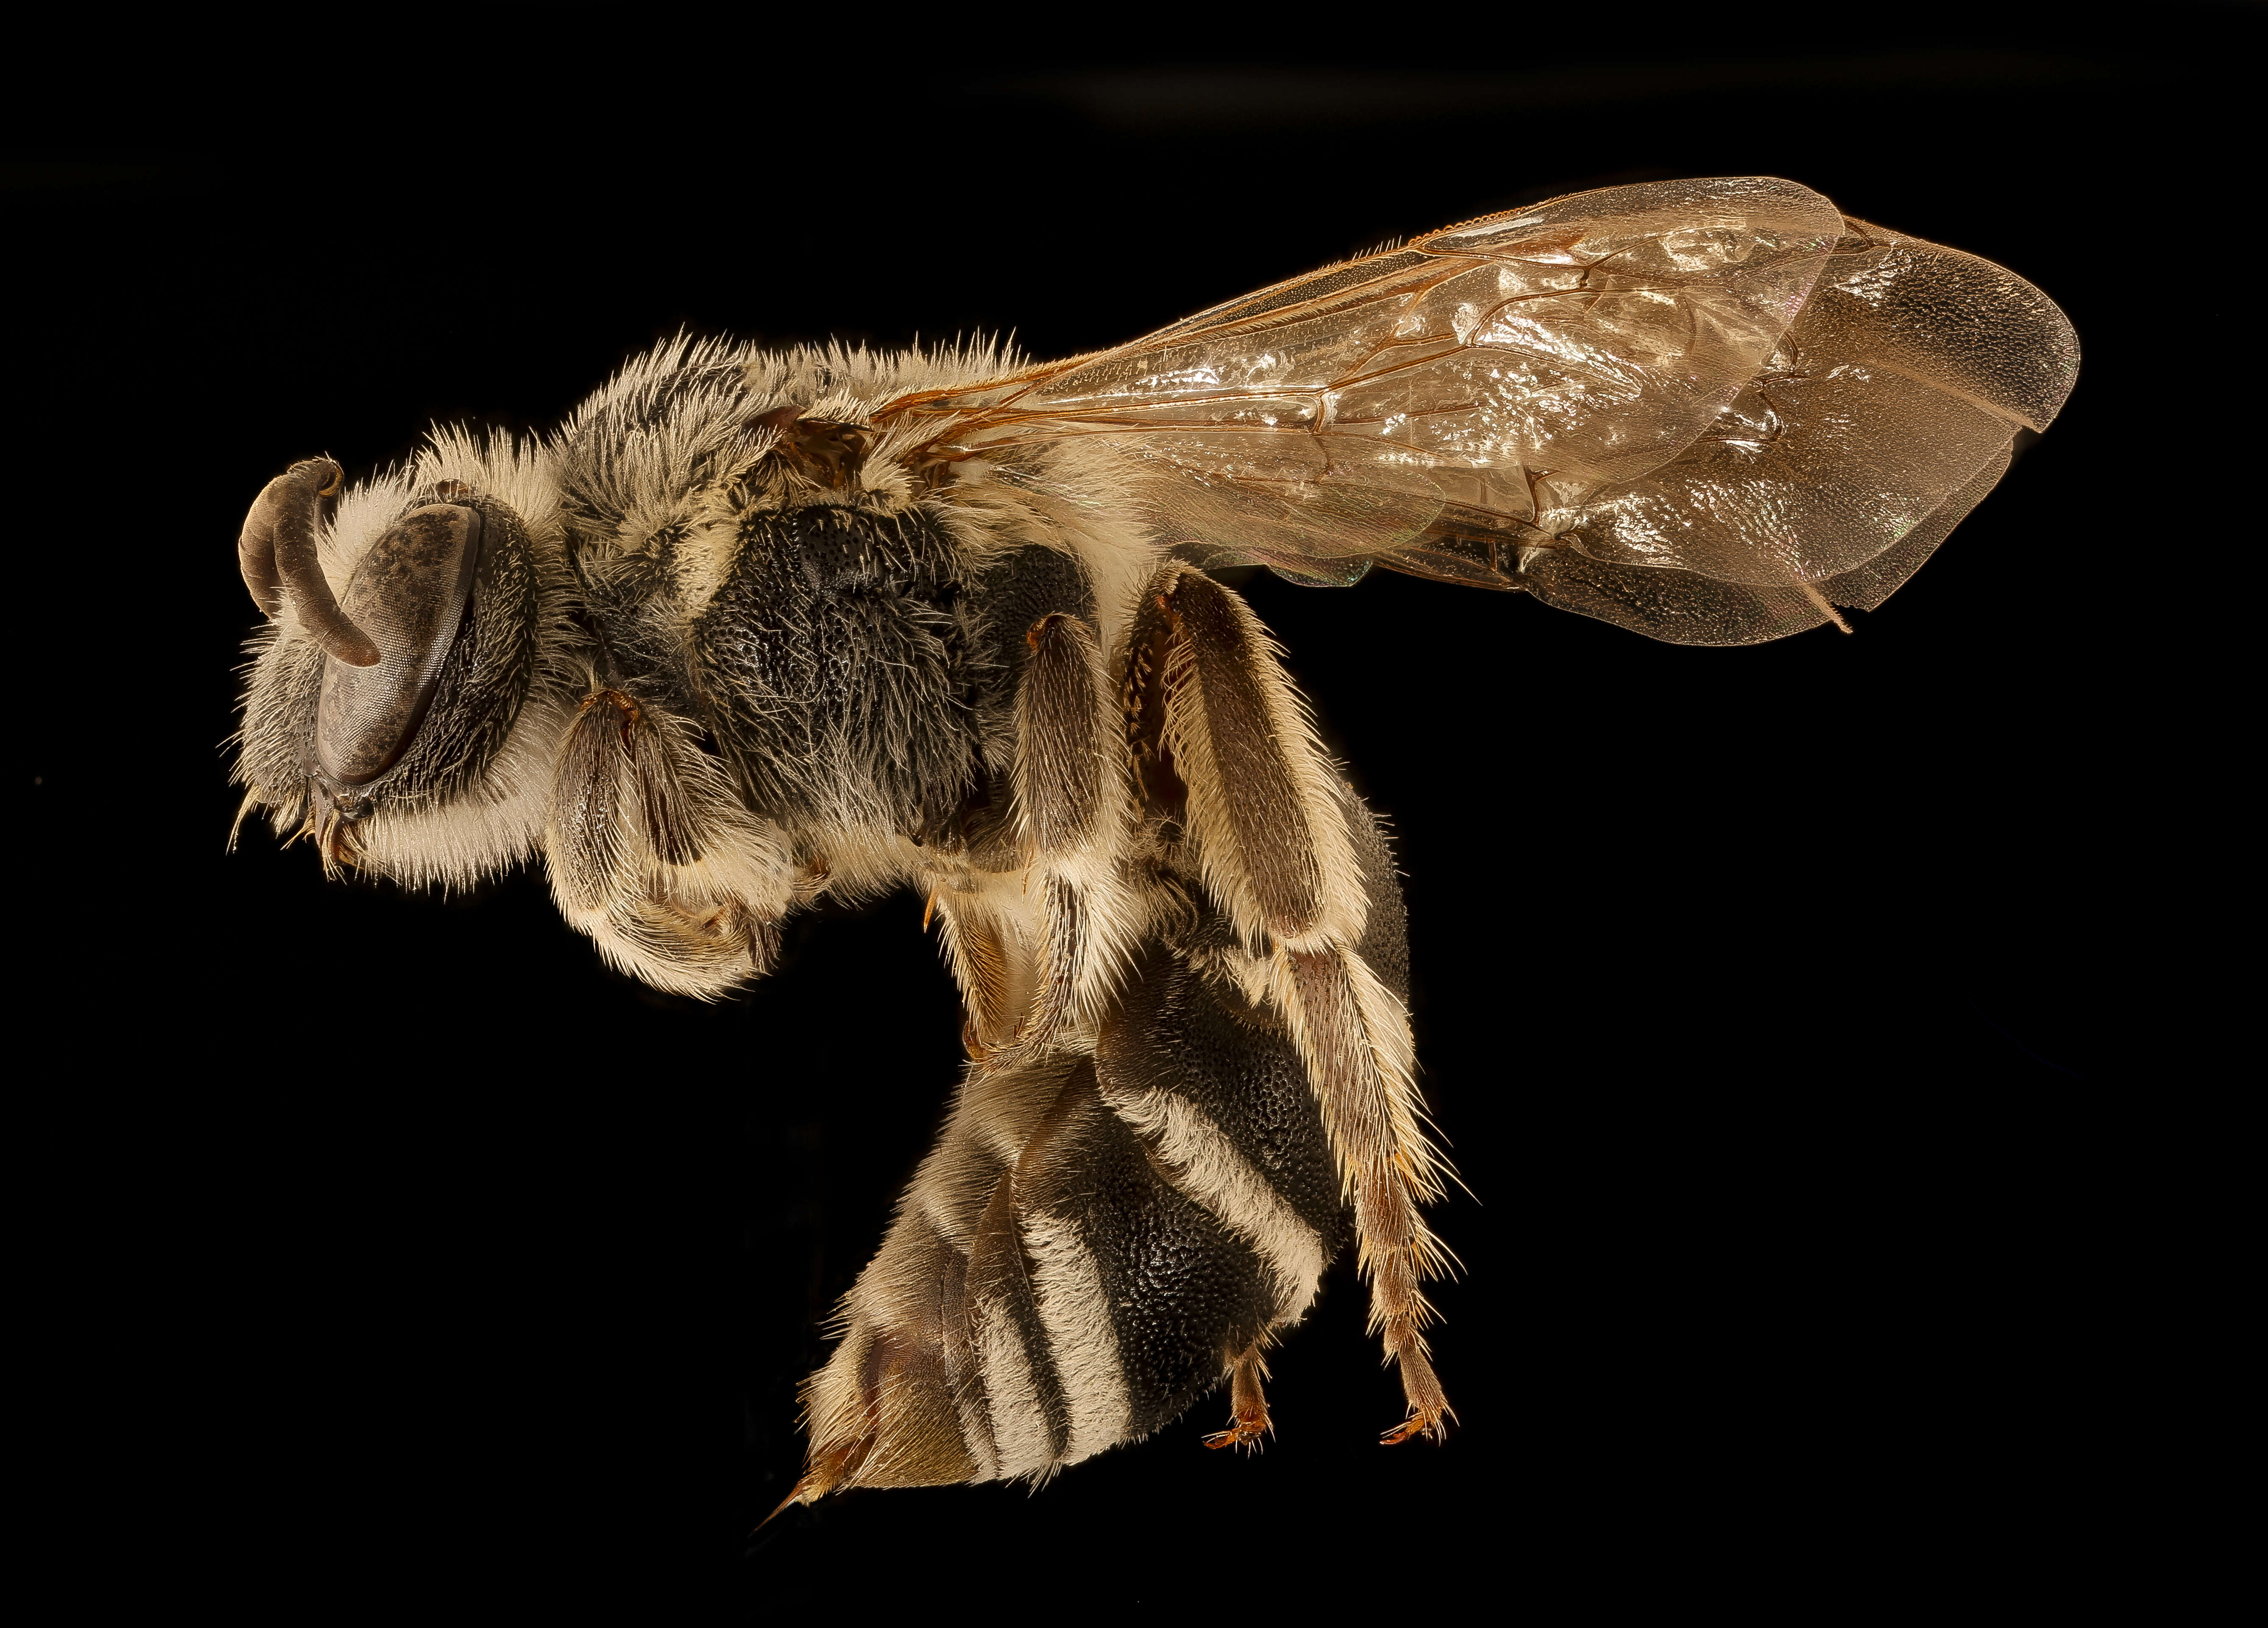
(1091, 1246)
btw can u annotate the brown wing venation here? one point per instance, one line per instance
(1218, 322)
(1666, 378)
(969, 423)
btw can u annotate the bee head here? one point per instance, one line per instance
(377, 713)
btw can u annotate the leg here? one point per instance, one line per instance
(1029, 943)
(651, 854)
(1340, 1014)
(1302, 871)
(1069, 820)
(1248, 1420)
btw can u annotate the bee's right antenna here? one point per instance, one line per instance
(276, 553)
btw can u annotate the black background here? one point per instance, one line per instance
(393, 1245)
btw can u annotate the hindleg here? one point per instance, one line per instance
(1302, 871)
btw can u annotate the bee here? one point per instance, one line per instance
(759, 628)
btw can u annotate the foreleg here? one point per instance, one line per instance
(653, 856)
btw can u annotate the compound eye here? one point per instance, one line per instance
(409, 594)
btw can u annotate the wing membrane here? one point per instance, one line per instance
(1696, 408)
(1598, 334)
(1909, 370)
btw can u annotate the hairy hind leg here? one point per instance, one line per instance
(1223, 750)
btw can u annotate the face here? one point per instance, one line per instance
(379, 716)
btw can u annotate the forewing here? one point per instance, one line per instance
(1336, 415)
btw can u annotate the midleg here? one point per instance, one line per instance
(1247, 1415)
(1070, 821)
